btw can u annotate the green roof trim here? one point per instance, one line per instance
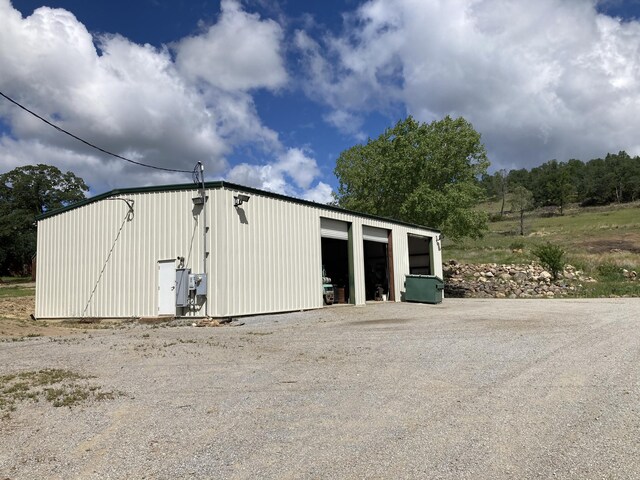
(127, 191)
(218, 185)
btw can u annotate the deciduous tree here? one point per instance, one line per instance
(26, 192)
(420, 173)
(521, 201)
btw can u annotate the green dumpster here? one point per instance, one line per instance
(423, 288)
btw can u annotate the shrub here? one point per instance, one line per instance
(551, 257)
(610, 271)
(517, 245)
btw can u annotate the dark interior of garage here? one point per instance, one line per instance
(335, 259)
(419, 257)
(376, 271)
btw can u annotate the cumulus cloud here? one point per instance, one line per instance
(347, 123)
(321, 193)
(540, 80)
(137, 101)
(113, 173)
(128, 99)
(292, 174)
(240, 52)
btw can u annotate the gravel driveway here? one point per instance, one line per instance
(466, 389)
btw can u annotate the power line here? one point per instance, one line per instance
(60, 129)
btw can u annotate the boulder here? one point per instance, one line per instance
(520, 276)
(509, 281)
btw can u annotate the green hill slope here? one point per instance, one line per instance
(602, 241)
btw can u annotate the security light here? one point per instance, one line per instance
(240, 199)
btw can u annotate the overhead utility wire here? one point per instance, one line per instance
(60, 129)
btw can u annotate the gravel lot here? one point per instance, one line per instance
(467, 389)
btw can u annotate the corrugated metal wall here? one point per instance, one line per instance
(268, 254)
(96, 263)
(264, 256)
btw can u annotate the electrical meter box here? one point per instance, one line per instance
(201, 288)
(182, 286)
(198, 282)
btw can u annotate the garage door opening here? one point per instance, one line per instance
(378, 263)
(419, 255)
(337, 258)
(376, 271)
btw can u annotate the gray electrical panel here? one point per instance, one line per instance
(182, 287)
(201, 287)
(198, 283)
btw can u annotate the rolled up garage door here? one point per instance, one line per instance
(374, 234)
(330, 228)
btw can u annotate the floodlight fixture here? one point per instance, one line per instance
(240, 199)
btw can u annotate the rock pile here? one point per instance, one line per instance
(510, 281)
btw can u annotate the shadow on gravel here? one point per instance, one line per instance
(382, 321)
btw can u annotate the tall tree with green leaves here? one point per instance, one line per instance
(26, 192)
(521, 201)
(420, 173)
(559, 185)
(502, 187)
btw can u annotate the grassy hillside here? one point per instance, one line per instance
(602, 241)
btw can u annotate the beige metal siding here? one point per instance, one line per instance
(401, 253)
(272, 263)
(73, 248)
(264, 257)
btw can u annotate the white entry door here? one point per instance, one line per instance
(166, 287)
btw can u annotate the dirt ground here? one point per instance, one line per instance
(629, 243)
(469, 389)
(16, 321)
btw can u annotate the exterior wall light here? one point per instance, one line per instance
(240, 199)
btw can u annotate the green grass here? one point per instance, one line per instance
(61, 388)
(17, 291)
(592, 238)
(15, 280)
(14, 287)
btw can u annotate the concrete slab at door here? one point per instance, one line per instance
(166, 287)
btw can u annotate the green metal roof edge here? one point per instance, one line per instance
(324, 206)
(126, 191)
(230, 186)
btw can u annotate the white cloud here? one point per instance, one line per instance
(347, 123)
(136, 101)
(240, 52)
(291, 174)
(17, 153)
(540, 80)
(321, 193)
(299, 166)
(347, 73)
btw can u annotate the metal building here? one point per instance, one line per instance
(221, 251)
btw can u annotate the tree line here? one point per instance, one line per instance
(601, 181)
(425, 173)
(25, 193)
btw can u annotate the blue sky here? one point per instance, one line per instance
(268, 93)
